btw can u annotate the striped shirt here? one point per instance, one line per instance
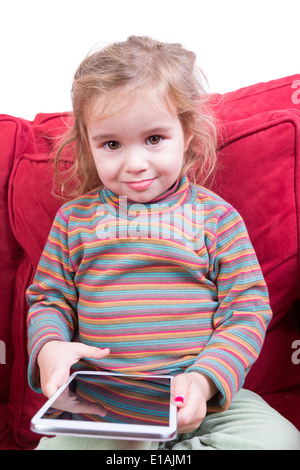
(171, 286)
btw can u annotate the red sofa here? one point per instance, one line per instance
(258, 172)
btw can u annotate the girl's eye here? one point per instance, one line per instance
(112, 145)
(154, 139)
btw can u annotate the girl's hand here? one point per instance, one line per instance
(57, 357)
(190, 392)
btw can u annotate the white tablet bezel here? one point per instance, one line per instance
(104, 430)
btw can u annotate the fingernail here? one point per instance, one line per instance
(179, 398)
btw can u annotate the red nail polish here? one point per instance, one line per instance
(179, 398)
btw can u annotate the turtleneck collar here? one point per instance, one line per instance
(172, 199)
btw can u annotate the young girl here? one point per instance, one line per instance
(145, 272)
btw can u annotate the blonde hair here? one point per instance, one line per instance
(136, 66)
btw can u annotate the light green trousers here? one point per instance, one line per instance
(248, 424)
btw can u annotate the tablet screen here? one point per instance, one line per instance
(114, 399)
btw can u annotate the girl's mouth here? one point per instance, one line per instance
(140, 185)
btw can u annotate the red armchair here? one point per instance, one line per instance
(258, 172)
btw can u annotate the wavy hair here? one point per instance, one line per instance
(139, 65)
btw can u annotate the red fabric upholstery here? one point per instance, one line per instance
(259, 173)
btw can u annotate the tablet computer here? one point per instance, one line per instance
(104, 405)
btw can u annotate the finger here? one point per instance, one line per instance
(180, 390)
(49, 389)
(58, 378)
(83, 350)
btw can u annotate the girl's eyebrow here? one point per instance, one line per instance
(158, 130)
(103, 137)
(150, 131)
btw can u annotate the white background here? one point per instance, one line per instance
(237, 42)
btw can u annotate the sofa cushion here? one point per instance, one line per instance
(9, 257)
(15, 137)
(32, 209)
(280, 94)
(259, 175)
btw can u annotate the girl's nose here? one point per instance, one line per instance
(135, 162)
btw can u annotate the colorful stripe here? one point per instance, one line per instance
(186, 296)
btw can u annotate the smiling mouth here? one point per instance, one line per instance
(140, 185)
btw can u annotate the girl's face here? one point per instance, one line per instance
(139, 151)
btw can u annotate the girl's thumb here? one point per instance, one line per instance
(179, 390)
(92, 352)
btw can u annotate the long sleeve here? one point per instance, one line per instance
(243, 314)
(52, 297)
(194, 300)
